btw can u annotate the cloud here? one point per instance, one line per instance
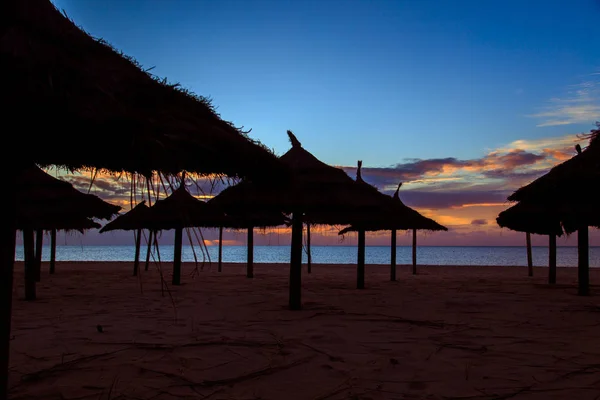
(451, 183)
(560, 143)
(451, 199)
(479, 222)
(580, 104)
(514, 176)
(517, 162)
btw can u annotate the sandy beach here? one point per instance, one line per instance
(96, 332)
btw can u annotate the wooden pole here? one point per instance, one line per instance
(7, 259)
(552, 259)
(583, 270)
(52, 251)
(529, 258)
(138, 244)
(308, 252)
(360, 265)
(414, 252)
(393, 257)
(29, 256)
(220, 265)
(177, 256)
(148, 251)
(295, 300)
(250, 245)
(39, 242)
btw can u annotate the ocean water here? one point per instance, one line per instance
(426, 255)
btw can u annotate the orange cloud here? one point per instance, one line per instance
(479, 205)
(228, 242)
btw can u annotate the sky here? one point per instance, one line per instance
(462, 101)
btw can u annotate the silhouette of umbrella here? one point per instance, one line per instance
(42, 197)
(397, 216)
(133, 219)
(569, 191)
(247, 220)
(316, 191)
(177, 211)
(67, 96)
(540, 220)
(51, 204)
(56, 75)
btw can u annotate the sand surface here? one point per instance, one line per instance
(446, 333)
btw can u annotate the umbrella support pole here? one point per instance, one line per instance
(552, 259)
(360, 266)
(39, 242)
(52, 251)
(177, 256)
(220, 265)
(414, 252)
(393, 257)
(583, 268)
(29, 262)
(138, 244)
(308, 255)
(7, 258)
(295, 300)
(529, 257)
(149, 251)
(250, 245)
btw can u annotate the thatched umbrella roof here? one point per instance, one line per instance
(398, 216)
(314, 187)
(56, 77)
(569, 189)
(570, 175)
(67, 96)
(45, 202)
(178, 210)
(131, 220)
(522, 217)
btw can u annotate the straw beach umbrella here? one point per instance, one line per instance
(360, 220)
(522, 217)
(316, 191)
(133, 219)
(52, 68)
(57, 78)
(177, 211)
(40, 195)
(45, 203)
(248, 220)
(569, 190)
(32, 248)
(398, 217)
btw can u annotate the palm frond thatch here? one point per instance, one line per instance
(57, 78)
(131, 220)
(325, 194)
(568, 191)
(178, 210)
(522, 217)
(393, 215)
(45, 202)
(570, 180)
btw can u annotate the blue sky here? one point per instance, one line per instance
(381, 81)
(462, 101)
